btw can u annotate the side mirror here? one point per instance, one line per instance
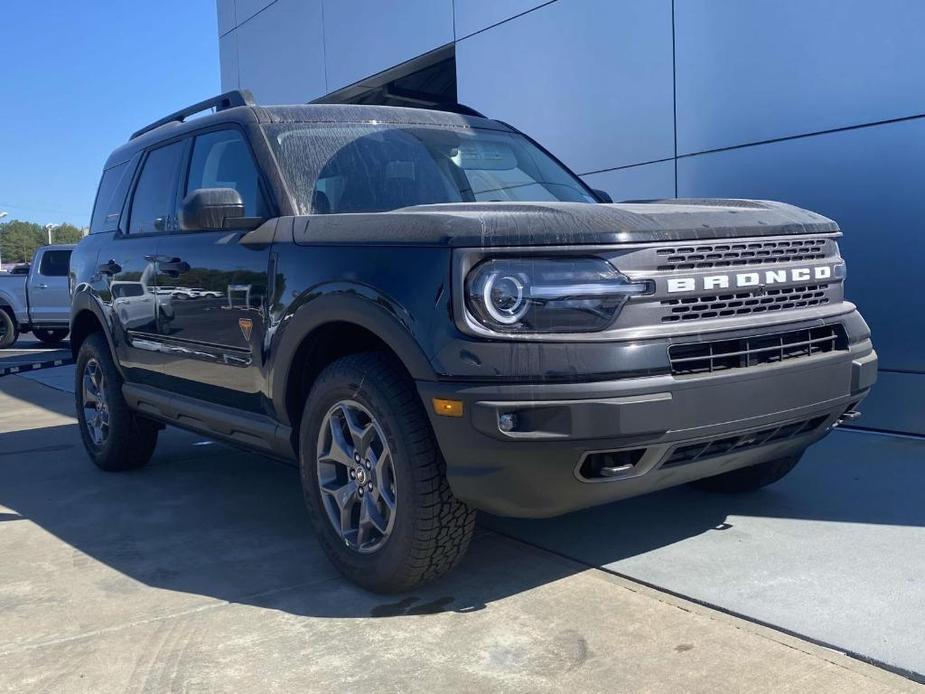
(214, 209)
(602, 195)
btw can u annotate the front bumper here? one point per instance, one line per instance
(545, 466)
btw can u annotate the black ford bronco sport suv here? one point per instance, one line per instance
(430, 314)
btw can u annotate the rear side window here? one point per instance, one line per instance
(222, 160)
(154, 203)
(55, 263)
(110, 197)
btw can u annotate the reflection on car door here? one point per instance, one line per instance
(217, 287)
(129, 263)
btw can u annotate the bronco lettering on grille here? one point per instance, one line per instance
(749, 279)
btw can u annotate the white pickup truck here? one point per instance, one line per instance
(38, 302)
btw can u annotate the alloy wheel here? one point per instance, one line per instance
(96, 409)
(356, 476)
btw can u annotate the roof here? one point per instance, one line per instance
(304, 113)
(361, 113)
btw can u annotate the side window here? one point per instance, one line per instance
(222, 159)
(154, 203)
(111, 196)
(55, 263)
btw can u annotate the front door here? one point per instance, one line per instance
(216, 287)
(49, 299)
(128, 262)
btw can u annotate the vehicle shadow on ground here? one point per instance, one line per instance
(847, 478)
(208, 520)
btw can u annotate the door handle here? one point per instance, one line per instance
(110, 268)
(173, 267)
(41, 286)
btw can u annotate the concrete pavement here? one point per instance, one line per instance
(833, 552)
(198, 573)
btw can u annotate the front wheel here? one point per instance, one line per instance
(50, 336)
(9, 333)
(374, 479)
(114, 436)
(748, 479)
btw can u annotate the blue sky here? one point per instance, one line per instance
(77, 77)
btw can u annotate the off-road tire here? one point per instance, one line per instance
(748, 479)
(432, 528)
(131, 439)
(50, 336)
(9, 331)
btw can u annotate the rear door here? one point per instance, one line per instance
(129, 262)
(49, 299)
(216, 286)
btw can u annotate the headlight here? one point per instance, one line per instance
(551, 295)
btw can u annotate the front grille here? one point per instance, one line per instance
(703, 450)
(744, 303)
(746, 352)
(734, 254)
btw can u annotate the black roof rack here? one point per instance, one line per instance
(236, 97)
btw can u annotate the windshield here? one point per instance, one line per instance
(379, 167)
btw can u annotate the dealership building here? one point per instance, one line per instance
(817, 103)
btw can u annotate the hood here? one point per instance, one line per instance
(558, 223)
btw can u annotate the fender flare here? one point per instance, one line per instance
(84, 302)
(345, 303)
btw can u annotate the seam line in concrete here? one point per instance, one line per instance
(161, 618)
(854, 429)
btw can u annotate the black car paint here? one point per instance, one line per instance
(214, 365)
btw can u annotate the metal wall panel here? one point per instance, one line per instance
(228, 57)
(764, 69)
(590, 79)
(226, 16)
(281, 52)
(644, 182)
(364, 37)
(245, 9)
(871, 181)
(475, 15)
(897, 403)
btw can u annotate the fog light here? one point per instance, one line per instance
(448, 408)
(507, 421)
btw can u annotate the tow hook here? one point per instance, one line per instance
(848, 416)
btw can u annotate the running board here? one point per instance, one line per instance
(252, 431)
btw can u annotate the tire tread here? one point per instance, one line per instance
(443, 525)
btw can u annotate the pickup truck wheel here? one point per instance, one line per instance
(748, 479)
(9, 333)
(115, 438)
(374, 479)
(49, 337)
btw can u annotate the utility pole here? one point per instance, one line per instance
(49, 228)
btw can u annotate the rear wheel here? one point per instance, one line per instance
(50, 336)
(9, 333)
(115, 438)
(748, 479)
(374, 480)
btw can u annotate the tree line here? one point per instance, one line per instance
(19, 240)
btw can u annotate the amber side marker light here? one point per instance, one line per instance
(448, 408)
